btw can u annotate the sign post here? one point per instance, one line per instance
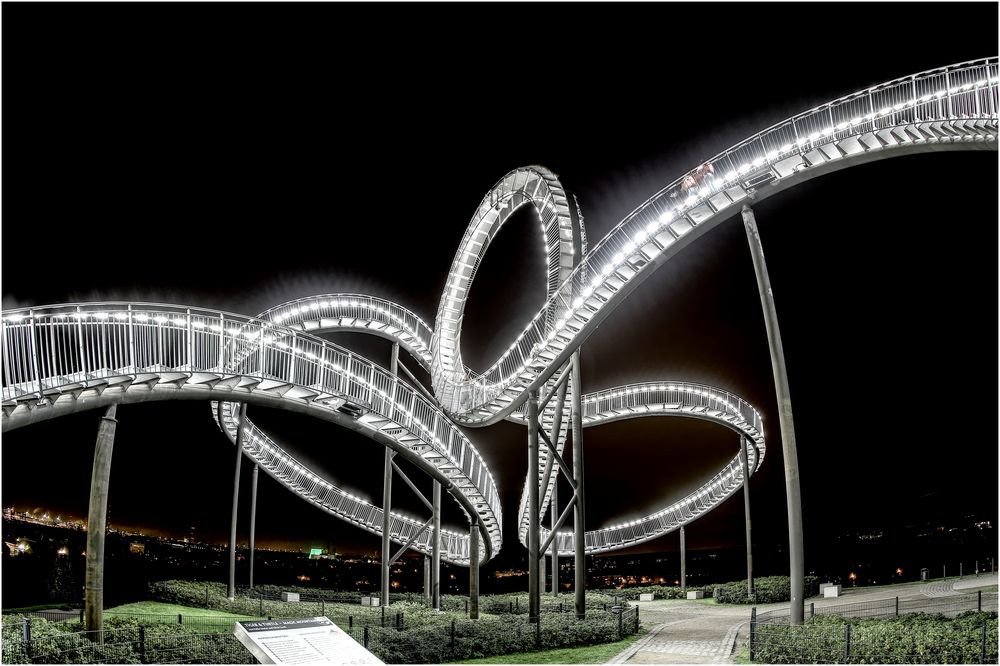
(301, 640)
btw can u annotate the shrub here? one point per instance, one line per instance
(659, 591)
(767, 590)
(492, 636)
(910, 638)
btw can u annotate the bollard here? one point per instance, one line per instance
(960, 570)
(944, 571)
(350, 621)
(383, 617)
(517, 604)
(847, 643)
(466, 606)
(812, 609)
(322, 606)
(26, 636)
(512, 608)
(206, 596)
(620, 618)
(180, 619)
(142, 645)
(979, 600)
(261, 601)
(560, 607)
(753, 629)
(452, 634)
(366, 637)
(897, 606)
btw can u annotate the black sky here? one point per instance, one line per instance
(238, 156)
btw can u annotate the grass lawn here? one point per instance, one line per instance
(158, 608)
(589, 654)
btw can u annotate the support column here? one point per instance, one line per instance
(97, 515)
(253, 520)
(236, 502)
(787, 426)
(534, 598)
(436, 549)
(386, 508)
(387, 496)
(427, 578)
(683, 562)
(554, 553)
(579, 558)
(744, 459)
(474, 570)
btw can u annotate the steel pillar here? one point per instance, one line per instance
(231, 593)
(579, 558)
(474, 570)
(554, 553)
(746, 510)
(386, 508)
(683, 562)
(436, 548)
(97, 515)
(427, 578)
(792, 492)
(534, 598)
(387, 495)
(253, 519)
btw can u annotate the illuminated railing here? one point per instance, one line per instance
(950, 105)
(357, 311)
(59, 352)
(666, 399)
(299, 478)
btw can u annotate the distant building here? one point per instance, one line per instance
(137, 548)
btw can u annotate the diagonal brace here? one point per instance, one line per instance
(416, 383)
(556, 427)
(412, 487)
(544, 402)
(409, 543)
(559, 459)
(559, 523)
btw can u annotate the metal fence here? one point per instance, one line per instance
(162, 639)
(829, 636)
(463, 639)
(144, 645)
(893, 607)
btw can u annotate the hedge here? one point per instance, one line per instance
(767, 590)
(659, 592)
(493, 635)
(914, 638)
(61, 642)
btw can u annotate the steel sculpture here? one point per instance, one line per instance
(62, 359)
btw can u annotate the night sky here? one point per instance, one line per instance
(236, 157)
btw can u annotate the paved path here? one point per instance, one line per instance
(685, 633)
(689, 632)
